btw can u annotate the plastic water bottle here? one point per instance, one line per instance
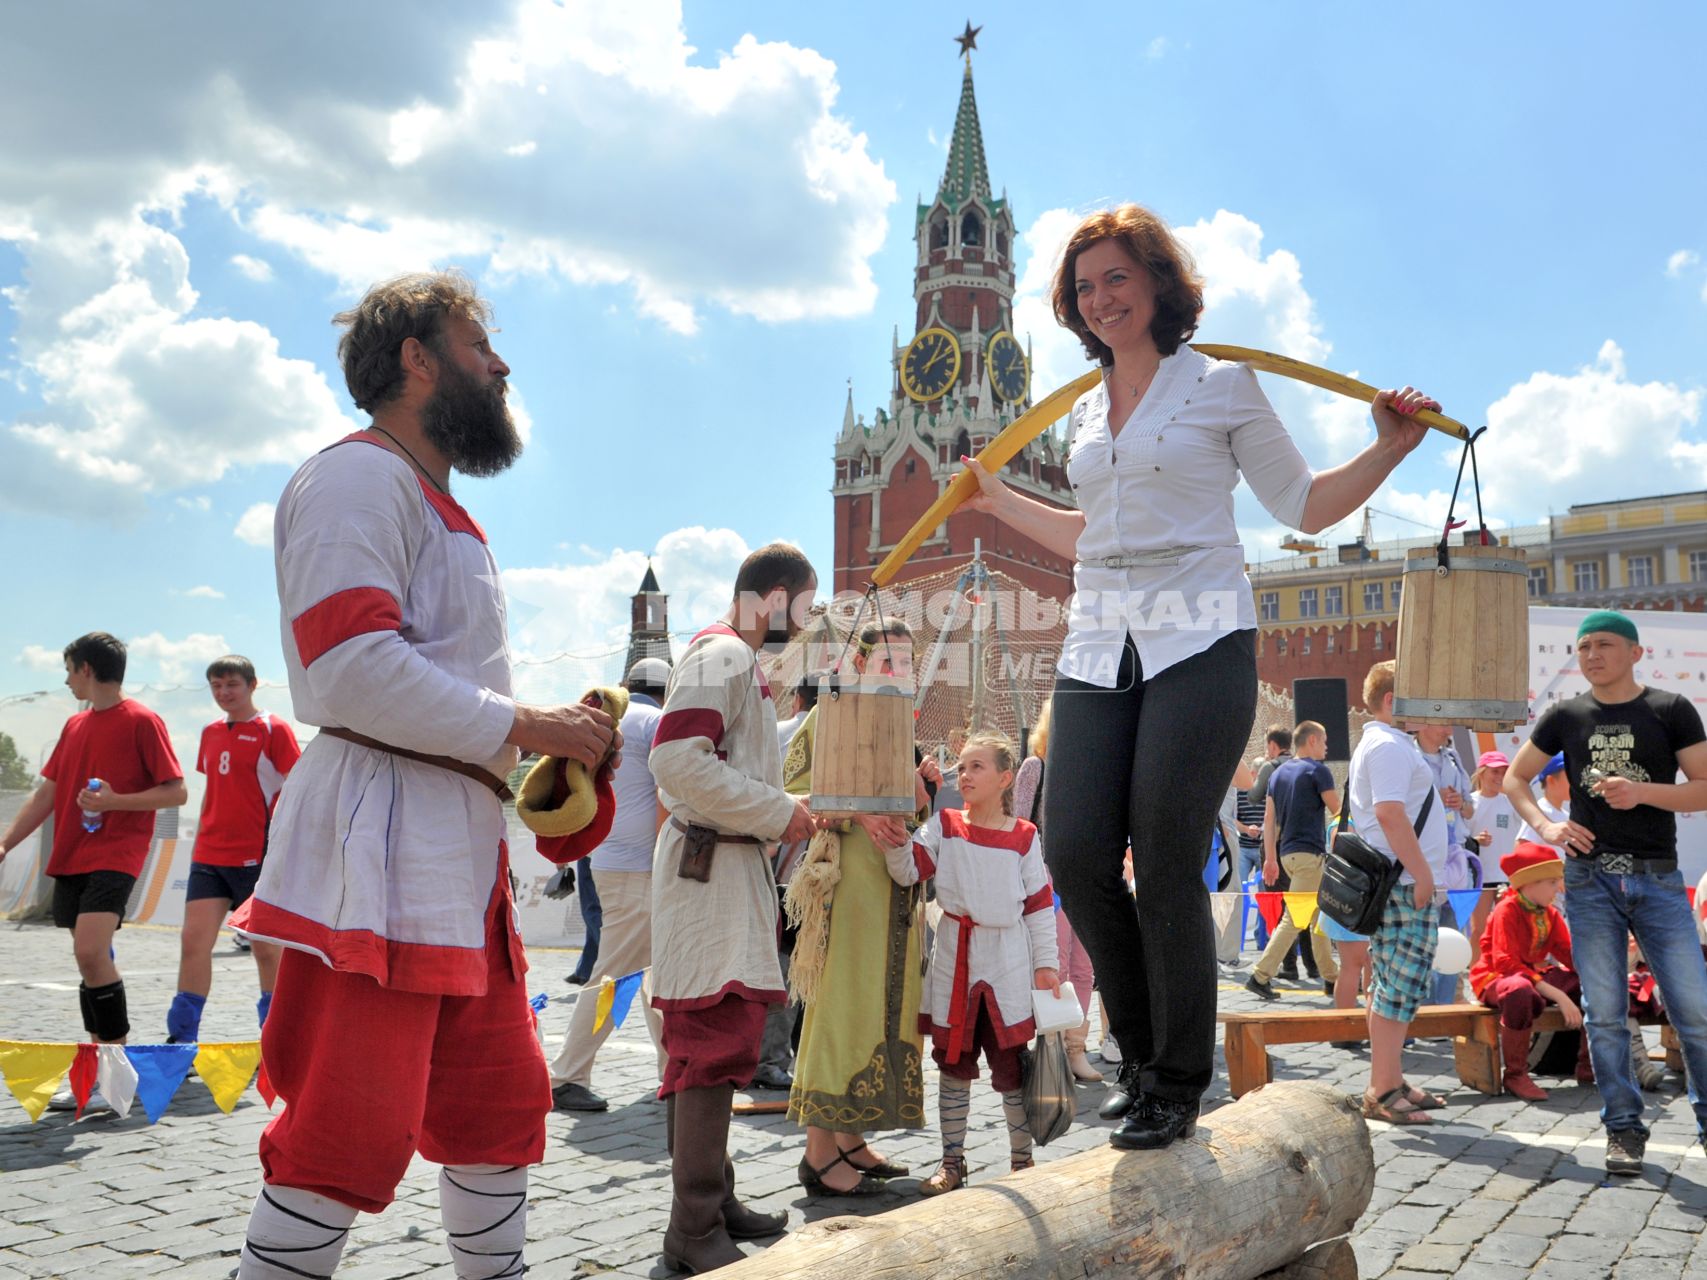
(91, 819)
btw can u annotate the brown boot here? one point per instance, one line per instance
(743, 1223)
(696, 1239)
(1514, 1045)
(739, 1221)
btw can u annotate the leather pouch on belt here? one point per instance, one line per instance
(698, 844)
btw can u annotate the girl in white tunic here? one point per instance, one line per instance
(995, 944)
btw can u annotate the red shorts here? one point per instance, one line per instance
(712, 1046)
(1519, 1003)
(1006, 1065)
(372, 1075)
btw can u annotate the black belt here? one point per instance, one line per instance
(1625, 864)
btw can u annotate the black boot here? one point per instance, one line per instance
(1123, 1094)
(1155, 1122)
(696, 1239)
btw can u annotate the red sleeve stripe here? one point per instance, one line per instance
(694, 722)
(342, 616)
(1042, 900)
(922, 859)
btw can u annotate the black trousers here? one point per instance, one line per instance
(1149, 762)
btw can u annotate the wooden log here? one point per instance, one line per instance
(1334, 1260)
(1261, 1181)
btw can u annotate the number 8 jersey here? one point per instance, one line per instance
(245, 762)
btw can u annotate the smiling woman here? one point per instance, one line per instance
(1157, 678)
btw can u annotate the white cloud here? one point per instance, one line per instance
(255, 526)
(173, 660)
(1681, 261)
(38, 657)
(1555, 439)
(569, 623)
(205, 593)
(201, 502)
(1156, 48)
(543, 138)
(257, 269)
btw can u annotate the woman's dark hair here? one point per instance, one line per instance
(1179, 289)
(103, 654)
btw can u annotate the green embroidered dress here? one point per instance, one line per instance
(859, 1065)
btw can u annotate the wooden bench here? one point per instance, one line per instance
(1473, 1027)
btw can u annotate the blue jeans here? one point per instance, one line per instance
(592, 916)
(1603, 910)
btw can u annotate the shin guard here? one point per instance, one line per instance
(262, 1006)
(184, 1018)
(484, 1208)
(292, 1234)
(108, 1011)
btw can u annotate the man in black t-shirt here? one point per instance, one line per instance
(1624, 746)
(1294, 834)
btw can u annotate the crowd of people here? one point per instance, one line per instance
(382, 911)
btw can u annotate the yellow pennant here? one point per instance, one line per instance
(1301, 907)
(601, 1010)
(226, 1069)
(33, 1071)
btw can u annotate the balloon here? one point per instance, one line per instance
(1451, 952)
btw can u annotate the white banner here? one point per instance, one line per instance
(1675, 660)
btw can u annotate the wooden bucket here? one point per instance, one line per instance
(862, 753)
(1463, 655)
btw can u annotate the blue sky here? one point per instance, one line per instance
(692, 252)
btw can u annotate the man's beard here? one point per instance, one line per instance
(470, 424)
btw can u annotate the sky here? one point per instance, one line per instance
(695, 225)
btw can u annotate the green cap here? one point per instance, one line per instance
(1608, 620)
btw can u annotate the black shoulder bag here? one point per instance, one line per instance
(1358, 878)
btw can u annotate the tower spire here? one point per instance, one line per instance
(966, 174)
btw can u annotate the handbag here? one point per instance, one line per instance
(1357, 878)
(1050, 1098)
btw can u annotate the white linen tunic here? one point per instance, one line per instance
(393, 626)
(998, 925)
(717, 764)
(1163, 490)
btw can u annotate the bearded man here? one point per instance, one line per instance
(400, 1020)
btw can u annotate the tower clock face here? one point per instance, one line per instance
(931, 364)
(1005, 360)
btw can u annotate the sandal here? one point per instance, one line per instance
(882, 1169)
(813, 1179)
(1394, 1107)
(1014, 1166)
(1421, 1099)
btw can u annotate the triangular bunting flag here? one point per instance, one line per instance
(264, 1085)
(160, 1070)
(622, 997)
(536, 1006)
(115, 1078)
(1270, 905)
(33, 1071)
(1464, 903)
(226, 1069)
(601, 1009)
(1300, 906)
(82, 1076)
(1689, 892)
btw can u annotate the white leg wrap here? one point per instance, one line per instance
(294, 1234)
(485, 1210)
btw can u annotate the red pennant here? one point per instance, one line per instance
(264, 1085)
(83, 1068)
(1271, 906)
(1689, 892)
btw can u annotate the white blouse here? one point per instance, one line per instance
(1162, 493)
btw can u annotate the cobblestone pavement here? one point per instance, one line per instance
(1497, 1190)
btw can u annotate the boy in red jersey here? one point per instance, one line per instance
(122, 745)
(245, 757)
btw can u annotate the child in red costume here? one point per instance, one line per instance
(1513, 974)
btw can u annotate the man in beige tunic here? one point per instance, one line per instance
(714, 904)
